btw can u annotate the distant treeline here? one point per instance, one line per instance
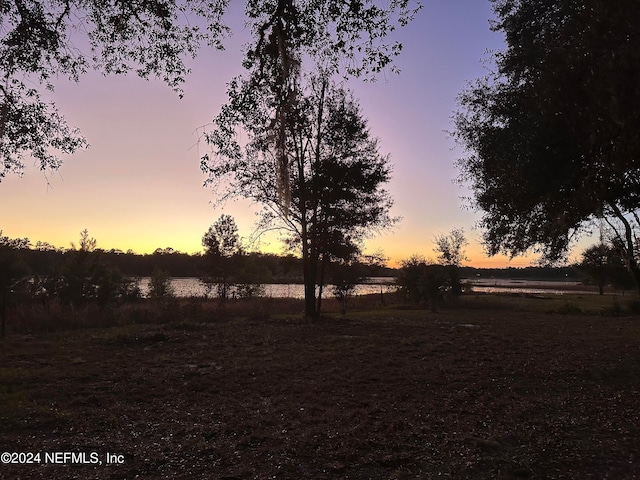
(570, 273)
(278, 268)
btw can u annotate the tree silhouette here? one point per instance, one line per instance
(12, 270)
(43, 40)
(450, 250)
(422, 281)
(596, 262)
(221, 257)
(551, 133)
(335, 176)
(87, 243)
(351, 270)
(333, 36)
(603, 264)
(160, 284)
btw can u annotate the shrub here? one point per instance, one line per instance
(422, 282)
(160, 284)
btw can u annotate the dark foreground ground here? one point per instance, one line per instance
(395, 394)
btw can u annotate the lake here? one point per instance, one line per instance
(191, 287)
(505, 285)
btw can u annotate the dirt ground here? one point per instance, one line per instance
(394, 394)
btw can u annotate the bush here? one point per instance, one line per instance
(160, 284)
(569, 308)
(424, 283)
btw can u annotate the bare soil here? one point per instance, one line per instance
(394, 394)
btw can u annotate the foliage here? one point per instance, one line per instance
(129, 289)
(41, 41)
(108, 284)
(334, 179)
(423, 282)
(14, 243)
(251, 277)
(450, 250)
(12, 271)
(346, 276)
(76, 285)
(222, 256)
(274, 268)
(291, 37)
(551, 131)
(603, 264)
(348, 273)
(344, 35)
(87, 243)
(160, 284)
(595, 260)
(222, 238)
(226, 266)
(31, 128)
(84, 276)
(78, 276)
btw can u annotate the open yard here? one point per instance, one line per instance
(487, 391)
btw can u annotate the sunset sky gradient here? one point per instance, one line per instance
(139, 185)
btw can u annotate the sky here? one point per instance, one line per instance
(139, 185)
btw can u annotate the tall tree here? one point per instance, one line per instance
(336, 37)
(450, 248)
(451, 254)
(43, 40)
(552, 131)
(335, 176)
(596, 262)
(222, 249)
(603, 264)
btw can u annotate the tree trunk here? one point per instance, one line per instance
(635, 271)
(628, 242)
(309, 298)
(319, 300)
(309, 271)
(321, 284)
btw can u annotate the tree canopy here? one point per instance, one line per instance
(44, 40)
(551, 132)
(41, 41)
(222, 252)
(335, 175)
(450, 248)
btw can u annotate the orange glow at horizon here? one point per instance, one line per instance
(112, 237)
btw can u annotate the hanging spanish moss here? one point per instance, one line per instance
(285, 66)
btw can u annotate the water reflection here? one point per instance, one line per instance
(532, 287)
(191, 287)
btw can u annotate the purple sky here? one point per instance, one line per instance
(139, 186)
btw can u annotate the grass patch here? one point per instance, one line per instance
(54, 317)
(497, 387)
